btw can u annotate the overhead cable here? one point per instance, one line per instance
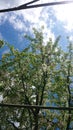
(29, 6)
(35, 107)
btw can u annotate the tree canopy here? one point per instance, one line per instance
(38, 75)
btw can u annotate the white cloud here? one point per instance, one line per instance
(17, 22)
(24, 20)
(71, 38)
(11, 3)
(63, 14)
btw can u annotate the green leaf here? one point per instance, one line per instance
(1, 43)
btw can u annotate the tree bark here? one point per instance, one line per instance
(68, 121)
(36, 123)
(69, 100)
(69, 117)
(0, 127)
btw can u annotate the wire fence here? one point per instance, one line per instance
(36, 107)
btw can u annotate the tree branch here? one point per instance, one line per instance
(43, 87)
(27, 99)
(69, 100)
(13, 125)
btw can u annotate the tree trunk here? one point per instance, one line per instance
(0, 127)
(69, 117)
(36, 121)
(68, 121)
(69, 100)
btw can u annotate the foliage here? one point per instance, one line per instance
(38, 75)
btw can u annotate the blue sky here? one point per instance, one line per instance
(57, 20)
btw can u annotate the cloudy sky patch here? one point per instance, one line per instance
(57, 20)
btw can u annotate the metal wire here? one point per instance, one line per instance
(35, 107)
(28, 6)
